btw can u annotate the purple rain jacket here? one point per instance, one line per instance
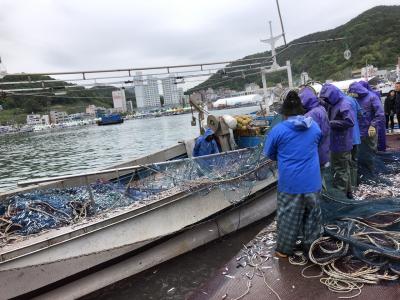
(318, 113)
(371, 106)
(381, 129)
(341, 118)
(369, 88)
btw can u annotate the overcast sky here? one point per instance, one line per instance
(62, 35)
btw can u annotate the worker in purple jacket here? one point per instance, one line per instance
(381, 130)
(318, 113)
(341, 121)
(373, 117)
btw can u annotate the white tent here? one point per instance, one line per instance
(245, 99)
(343, 85)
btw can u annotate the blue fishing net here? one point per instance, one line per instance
(235, 173)
(363, 233)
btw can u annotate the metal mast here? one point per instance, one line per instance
(272, 40)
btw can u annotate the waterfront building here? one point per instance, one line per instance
(119, 100)
(129, 106)
(147, 95)
(139, 90)
(91, 110)
(58, 117)
(181, 96)
(95, 111)
(151, 93)
(383, 74)
(170, 91)
(35, 119)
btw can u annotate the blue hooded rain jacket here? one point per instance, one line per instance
(294, 144)
(203, 147)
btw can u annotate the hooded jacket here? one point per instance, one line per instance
(294, 144)
(369, 88)
(318, 113)
(381, 128)
(358, 115)
(341, 118)
(204, 147)
(371, 106)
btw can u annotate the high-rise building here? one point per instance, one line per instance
(119, 100)
(139, 90)
(170, 91)
(181, 96)
(147, 95)
(129, 106)
(151, 93)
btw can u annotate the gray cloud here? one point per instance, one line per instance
(45, 35)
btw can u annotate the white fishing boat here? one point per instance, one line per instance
(74, 260)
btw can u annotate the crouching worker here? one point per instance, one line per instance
(205, 144)
(294, 144)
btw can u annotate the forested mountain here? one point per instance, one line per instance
(74, 98)
(372, 37)
(54, 93)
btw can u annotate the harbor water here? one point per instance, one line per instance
(70, 151)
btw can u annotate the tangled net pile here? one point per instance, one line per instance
(235, 173)
(361, 244)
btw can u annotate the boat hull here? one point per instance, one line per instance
(93, 245)
(261, 205)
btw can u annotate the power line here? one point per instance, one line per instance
(129, 70)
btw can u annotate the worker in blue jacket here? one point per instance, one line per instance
(294, 144)
(205, 144)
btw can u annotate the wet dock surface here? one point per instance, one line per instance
(277, 278)
(181, 277)
(393, 141)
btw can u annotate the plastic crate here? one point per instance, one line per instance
(248, 141)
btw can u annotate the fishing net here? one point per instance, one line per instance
(361, 244)
(234, 173)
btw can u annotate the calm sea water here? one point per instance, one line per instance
(34, 155)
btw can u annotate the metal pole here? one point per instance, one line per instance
(289, 73)
(280, 18)
(264, 83)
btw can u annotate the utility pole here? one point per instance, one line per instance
(280, 19)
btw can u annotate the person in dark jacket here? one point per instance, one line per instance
(397, 89)
(380, 125)
(317, 112)
(341, 121)
(294, 144)
(205, 144)
(390, 109)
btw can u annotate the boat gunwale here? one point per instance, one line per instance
(9, 193)
(13, 254)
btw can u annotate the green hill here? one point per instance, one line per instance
(76, 99)
(372, 37)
